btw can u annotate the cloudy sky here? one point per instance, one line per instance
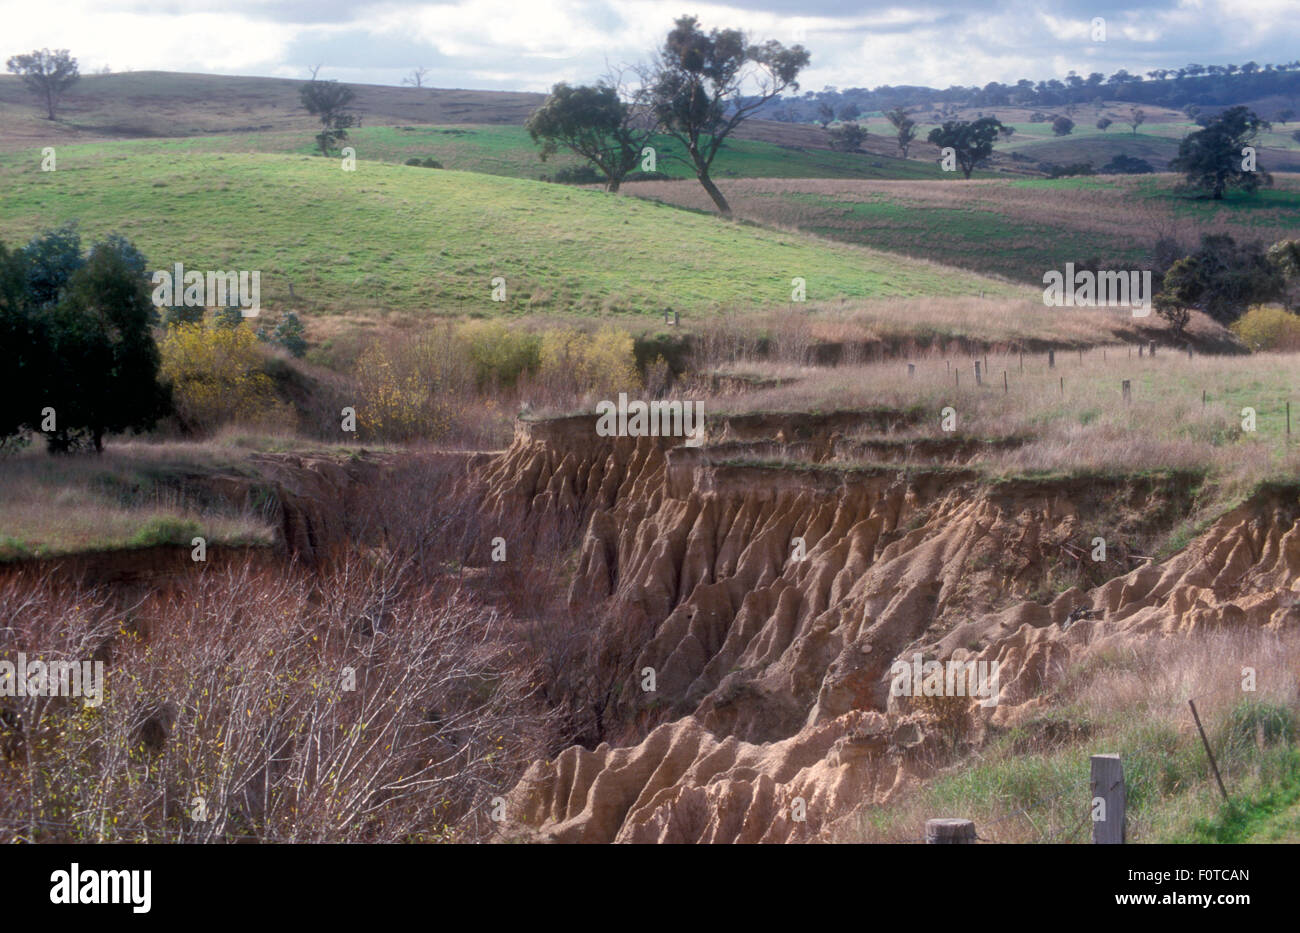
(530, 44)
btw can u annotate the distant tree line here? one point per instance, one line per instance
(1199, 86)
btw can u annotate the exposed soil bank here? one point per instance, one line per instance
(779, 596)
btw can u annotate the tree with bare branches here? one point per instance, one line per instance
(416, 77)
(46, 74)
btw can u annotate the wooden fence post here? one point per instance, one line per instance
(1107, 804)
(978, 380)
(1005, 388)
(1126, 387)
(911, 369)
(948, 831)
(1051, 359)
(1214, 765)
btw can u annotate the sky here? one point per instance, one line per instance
(529, 45)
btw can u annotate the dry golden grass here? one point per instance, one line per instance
(133, 495)
(925, 326)
(1073, 417)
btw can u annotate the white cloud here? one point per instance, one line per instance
(529, 46)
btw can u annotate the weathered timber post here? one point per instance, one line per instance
(1214, 765)
(948, 831)
(1107, 804)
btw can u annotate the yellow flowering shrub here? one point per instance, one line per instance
(500, 353)
(603, 363)
(1268, 327)
(411, 388)
(216, 376)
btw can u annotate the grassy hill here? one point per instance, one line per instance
(252, 114)
(397, 238)
(470, 130)
(510, 151)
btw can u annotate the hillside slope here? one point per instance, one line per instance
(473, 130)
(410, 239)
(1016, 228)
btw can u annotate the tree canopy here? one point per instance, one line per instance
(46, 74)
(1213, 159)
(698, 88)
(904, 128)
(595, 123)
(971, 141)
(77, 355)
(331, 102)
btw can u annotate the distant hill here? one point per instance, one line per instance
(167, 103)
(1211, 88)
(480, 130)
(471, 130)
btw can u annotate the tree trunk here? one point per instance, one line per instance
(612, 187)
(723, 207)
